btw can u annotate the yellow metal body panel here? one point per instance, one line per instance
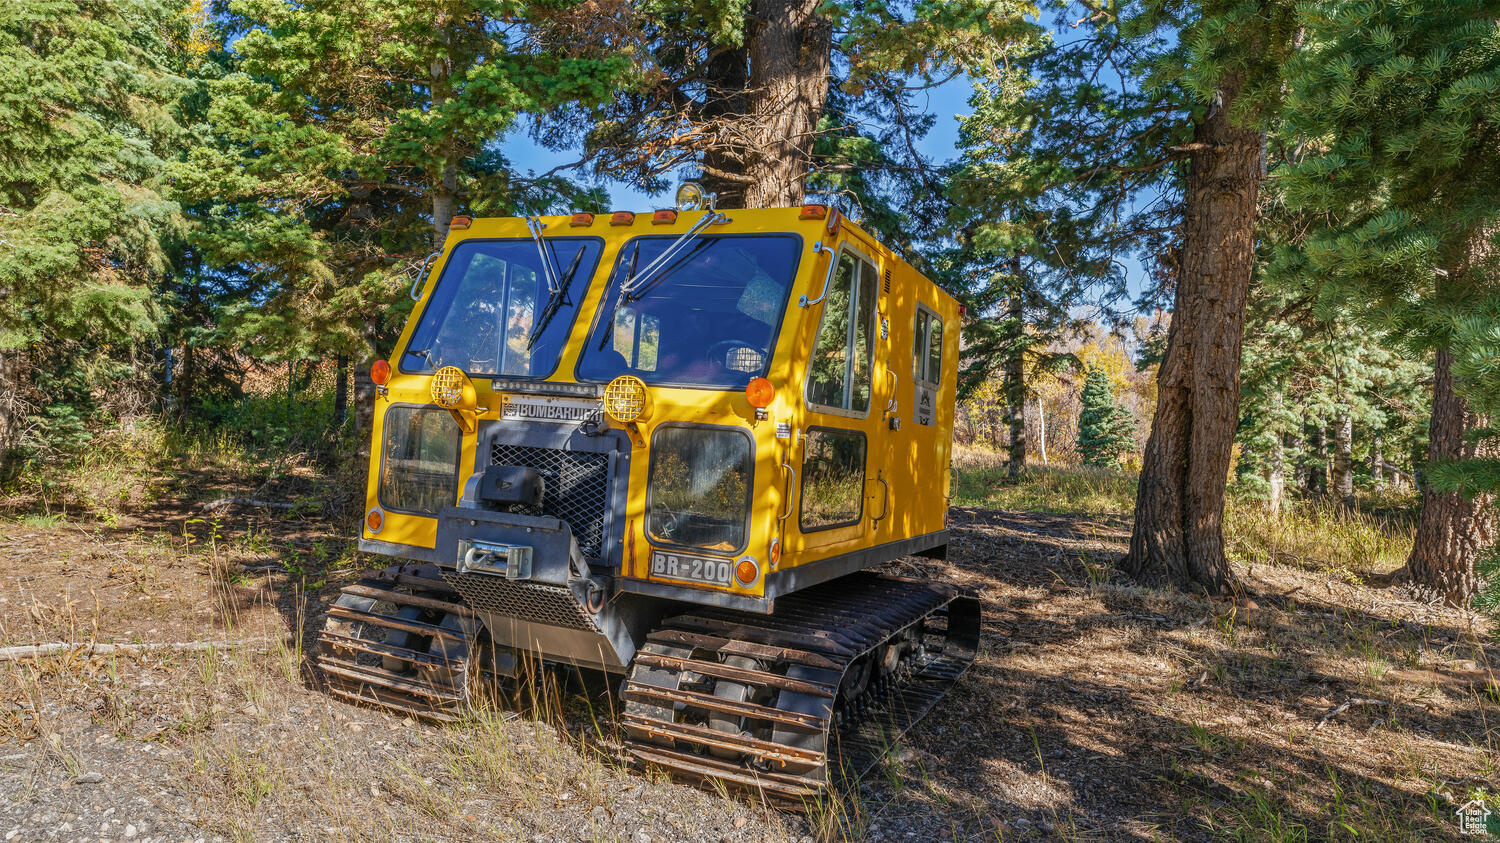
(907, 486)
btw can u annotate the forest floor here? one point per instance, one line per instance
(1316, 707)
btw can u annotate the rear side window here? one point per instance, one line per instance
(833, 478)
(839, 376)
(419, 460)
(699, 488)
(927, 355)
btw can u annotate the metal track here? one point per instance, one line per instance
(402, 640)
(791, 703)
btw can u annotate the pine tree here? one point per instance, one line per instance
(1105, 429)
(738, 90)
(87, 95)
(1394, 103)
(339, 139)
(1183, 126)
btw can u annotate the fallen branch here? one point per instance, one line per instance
(85, 648)
(1345, 706)
(221, 503)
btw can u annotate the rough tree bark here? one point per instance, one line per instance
(1276, 475)
(788, 50)
(1316, 458)
(1015, 377)
(341, 390)
(1179, 513)
(1343, 460)
(1377, 460)
(1452, 530)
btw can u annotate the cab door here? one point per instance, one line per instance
(841, 450)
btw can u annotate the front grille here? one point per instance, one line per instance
(576, 488)
(549, 605)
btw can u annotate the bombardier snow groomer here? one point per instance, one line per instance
(667, 446)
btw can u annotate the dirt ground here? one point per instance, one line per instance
(1098, 710)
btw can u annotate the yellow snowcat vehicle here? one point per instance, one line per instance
(666, 446)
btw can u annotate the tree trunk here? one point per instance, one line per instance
(12, 365)
(1451, 529)
(341, 391)
(1041, 428)
(1343, 460)
(445, 190)
(1276, 475)
(1179, 512)
(1292, 449)
(1316, 459)
(763, 159)
(1015, 378)
(1377, 460)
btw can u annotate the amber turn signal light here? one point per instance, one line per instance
(374, 520)
(666, 216)
(581, 220)
(813, 212)
(380, 372)
(747, 572)
(759, 392)
(460, 222)
(621, 218)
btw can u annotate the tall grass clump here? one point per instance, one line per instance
(982, 480)
(1317, 535)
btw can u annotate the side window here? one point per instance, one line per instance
(927, 351)
(839, 374)
(833, 478)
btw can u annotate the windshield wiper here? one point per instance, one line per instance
(554, 302)
(549, 262)
(665, 258)
(634, 282)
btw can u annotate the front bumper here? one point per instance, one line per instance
(562, 610)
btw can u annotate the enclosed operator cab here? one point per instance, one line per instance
(618, 441)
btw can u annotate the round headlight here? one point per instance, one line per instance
(448, 387)
(625, 399)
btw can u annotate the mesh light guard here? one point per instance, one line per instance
(625, 399)
(447, 387)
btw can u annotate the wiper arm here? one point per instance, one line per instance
(549, 262)
(424, 353)
(555, 301)
(665, 257)
(609, 325)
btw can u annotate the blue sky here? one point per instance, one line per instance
(946, 101)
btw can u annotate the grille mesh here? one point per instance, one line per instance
(576, 488)
(541, 604)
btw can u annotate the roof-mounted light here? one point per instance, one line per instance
(622, 218)
(460, 223)
(581, 220)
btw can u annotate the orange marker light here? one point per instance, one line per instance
(759, 392)
(813, 212)
(621, 218)
(380, 372)
(666, 216)
(582, 220)
(375, 520)
(460, 222)
(774, 557)
(747, 571)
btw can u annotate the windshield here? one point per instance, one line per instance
(709, 318)
(493, 315)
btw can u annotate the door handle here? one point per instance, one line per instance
(885, 499)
